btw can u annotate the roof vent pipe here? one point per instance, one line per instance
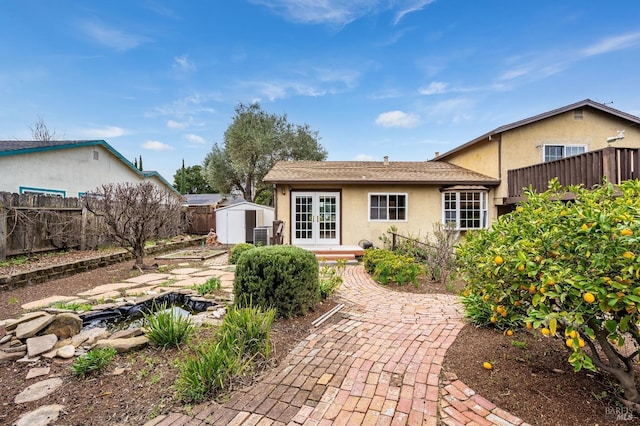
(386, 160)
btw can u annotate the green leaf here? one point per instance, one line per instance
(553, 324)
(535, 300)
(624, 323)
(611, 326)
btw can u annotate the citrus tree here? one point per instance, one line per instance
(570, 269)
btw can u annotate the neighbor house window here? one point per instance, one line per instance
(44, 191)
(388, 207)
(465, 209)
(556, 152)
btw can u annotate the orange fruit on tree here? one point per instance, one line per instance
(494, 320)
(509, 333)
(584, 227)
(581, 342)
(545, 331)
(520, 267)
(569, 343)
(498, 259)
(529, 326)
(626, 232)
(629, 255)
(532, 289)
(589, 297)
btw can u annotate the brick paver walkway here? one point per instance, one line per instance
(379, 364)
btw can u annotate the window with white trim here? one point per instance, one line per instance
(387, 207)
(556, 152)
(465, 209)
(42, 191)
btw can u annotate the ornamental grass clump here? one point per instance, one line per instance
(241, 346)
(93, 361)
(166, 326)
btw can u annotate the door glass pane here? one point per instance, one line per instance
(327, 227)
(304, 217)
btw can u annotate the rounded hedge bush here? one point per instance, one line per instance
(237, 250)
(280, 277)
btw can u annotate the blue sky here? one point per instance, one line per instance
(161, 79)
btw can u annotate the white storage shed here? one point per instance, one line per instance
(236, 223)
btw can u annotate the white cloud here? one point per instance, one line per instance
(107, 132)
(364, 157)
(434, 88)
(397, 119)
(194, 138)
(157, 146)
(611, 44)
(339, 12)
(111, 37)
(182, 63)
(172, 124)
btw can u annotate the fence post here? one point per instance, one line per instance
(3, 232)
(83, 229)
(393, 242)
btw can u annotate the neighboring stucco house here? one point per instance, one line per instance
(582, 127)
(67, 168)
(344, 202)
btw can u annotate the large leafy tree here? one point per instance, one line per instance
(253, 143)
(190, 180)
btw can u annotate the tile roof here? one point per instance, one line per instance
(372, 172)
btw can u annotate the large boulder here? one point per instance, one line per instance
(65, 325)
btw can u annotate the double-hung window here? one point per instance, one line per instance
(556, 152)
(387, 207)
(465, 209)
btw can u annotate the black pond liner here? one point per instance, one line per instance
(127, 313)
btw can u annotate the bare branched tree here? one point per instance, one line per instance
(136, 213)
(40, 131)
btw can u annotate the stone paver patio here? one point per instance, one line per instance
(380, 364)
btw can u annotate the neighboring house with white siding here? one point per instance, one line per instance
(67, 168)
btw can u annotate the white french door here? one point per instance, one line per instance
(316, 218)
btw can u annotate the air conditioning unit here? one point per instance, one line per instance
(262, 236)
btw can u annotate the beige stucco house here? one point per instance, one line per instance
(344, 202)
(67, 168)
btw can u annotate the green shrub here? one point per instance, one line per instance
(166, 327)
(241, 341)
(92, 361)
(386, 266)
(280, 277)
(211, 285)
(237, 250)
(76, 307)
(570, 269)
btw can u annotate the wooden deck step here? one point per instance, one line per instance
(335, 256)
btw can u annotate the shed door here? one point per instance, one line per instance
(316, 218)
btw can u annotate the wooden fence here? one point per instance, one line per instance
(32, 223)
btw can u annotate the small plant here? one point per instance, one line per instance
(386, 266)
(74, 306)
(93, 361)
(13, 300)
(331, 278)
(210, 286)
(166, 327)
(519, 344)
(168, 283)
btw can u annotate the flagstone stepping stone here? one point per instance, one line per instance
(40, 344)
(138, 291)
(124, 345)
(43, 303)
(5, 339)
(38, 390)
(31, 328)
(106, 296)
(105, 288)
(12, 324)
(143, 279)
(185, 271)
(11, 356)
(66, 352)
(65, 325)
(124, 334)
(207, 273)
(37, 372)
(41, 416)
(89, 336)
(190, 282)
(27, 360)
